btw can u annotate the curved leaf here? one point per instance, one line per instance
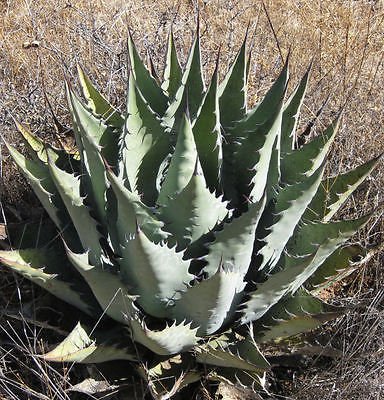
(91, 131)
(252, 158)
(142, 130)
(309, 235)
(244, 355)
(290, 205)
(38, 176)
(132, 212)
(172, 71)
(265, 110)
(269, 292)
(233, 244)
(291, 114)
(94, 347)
(307, 159)
(34, 144)
(233, 90)
(193, 78)
(86, 124)
(322, 238)
(333, 192)
(37, 149)
(206, 131)
(98, 103)
(337, 266)
(187, 215)
(149, 87)
(209, 304)
(190, 94)
(111, 293)
(293, 315)
(146, 266)
(147, 184)
(172, 339)
(182, 165)
(46, 268)
(68, 186)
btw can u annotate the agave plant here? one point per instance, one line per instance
(192, 224)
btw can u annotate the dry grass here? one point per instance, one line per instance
(40, 41)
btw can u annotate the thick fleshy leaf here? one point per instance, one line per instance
(290, 205)
(187, 216)
(193, 78)
(85, 123)
(269, 292)
(233, 244)
(71, 98)
(172, 72)
(111, 293)
(233, 90)
(68, 186)
(142, 130)
(49, 269)
(35, 144)
(294, 315)
(244, 355)
(291, 114)
(182, 165)
(147, 179)
(252, 159)
(173, 339)
(132, 212)
(324, 238)
(97, 103)
(337, 266)
(247, 349)
(206, 131)
(271, 101)
(247, 147)
(37, 149)
(307, 159)
(91, 132)
(209, 304)
(38, 176)
(321, 240)
(274, 174)
(85, 346)
(334, 191)
(308, 236)
(149, 87)
(173, 116)
(146, 266)
(189, 96)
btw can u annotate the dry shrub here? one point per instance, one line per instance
(42, 41)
